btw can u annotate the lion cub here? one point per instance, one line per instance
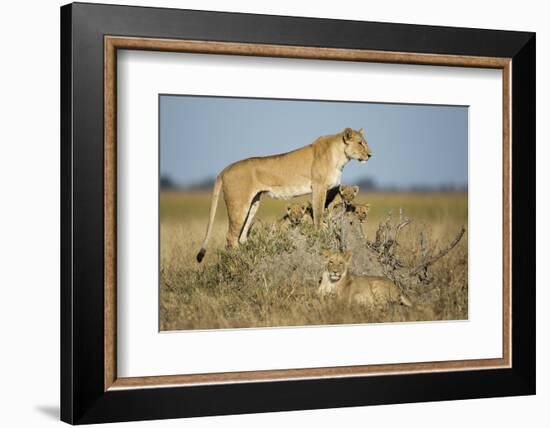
(343, 198)
(359, 212)
(297, 214)
(370, 291)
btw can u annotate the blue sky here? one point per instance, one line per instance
(413, 145)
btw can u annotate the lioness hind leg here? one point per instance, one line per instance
(237, 211)
(251, 213)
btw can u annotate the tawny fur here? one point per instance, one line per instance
(359, 212)
(296, 214)
(371, 291)
(343, 198)
(313, 169)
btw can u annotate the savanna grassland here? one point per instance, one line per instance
(272, 280)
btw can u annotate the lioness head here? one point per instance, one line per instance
(361, 211)
(348, 193)
(336, 264)
(356, 145)
(296, 212)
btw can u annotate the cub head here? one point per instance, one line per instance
(355, 145)
(348, 193)
(296, 212)
(361, 211)
(336, 264)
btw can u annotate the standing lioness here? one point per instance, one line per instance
(313, 169)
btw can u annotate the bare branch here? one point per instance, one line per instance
(427, 262)
(387, 231)
(400, 226)
(378, 240)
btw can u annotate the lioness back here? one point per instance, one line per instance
(374, 291)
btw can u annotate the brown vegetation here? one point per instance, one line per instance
(272, 280)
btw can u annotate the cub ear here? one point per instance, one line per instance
(304, 208)
(326, 254)
(288, 209)
(347, 256)
(356, 189)
(348, 133)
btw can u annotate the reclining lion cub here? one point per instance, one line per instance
(313, 169)
(371, 291)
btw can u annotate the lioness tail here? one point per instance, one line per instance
(213, 207)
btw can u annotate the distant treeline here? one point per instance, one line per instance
(365, 184)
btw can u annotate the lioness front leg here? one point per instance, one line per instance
(318, 201)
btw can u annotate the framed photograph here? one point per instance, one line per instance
(265, 213)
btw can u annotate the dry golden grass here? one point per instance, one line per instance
(272, 280)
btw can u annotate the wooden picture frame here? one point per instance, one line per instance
(91, 391)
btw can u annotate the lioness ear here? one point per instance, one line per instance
(348, 133)
(326, 254)
(360, 130)
(347, 256)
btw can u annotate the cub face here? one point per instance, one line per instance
(336, 264)
(361, 212)
(348, 193)
(296, 212)
(356, 145)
